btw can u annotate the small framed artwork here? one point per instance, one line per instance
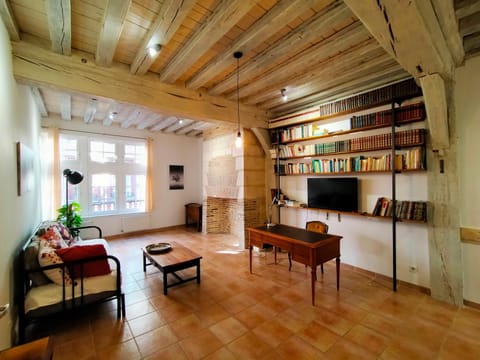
(176, 177)
(24, 168)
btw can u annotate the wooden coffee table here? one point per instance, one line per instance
(178, 258)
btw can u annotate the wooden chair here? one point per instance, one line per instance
(317, 226)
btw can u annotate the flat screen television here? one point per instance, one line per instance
(333, 193)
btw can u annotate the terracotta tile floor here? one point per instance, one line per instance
(233, 314)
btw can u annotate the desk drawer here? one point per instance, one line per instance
(301, 254)
(258, 240)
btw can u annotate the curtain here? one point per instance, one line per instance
(148, 185)
(50, 170)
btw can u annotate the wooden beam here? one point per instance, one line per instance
(470, 25)
(66, 106)
(37, 96)
(131, 119)
(472, 44)
(435, 96)
(170, 17)
(165, 123)
(151, 120)
(224, 17)
(59, 25)
(9, 20)
(448, 23)
(90, 111)
(112, 25)
(470, 235)
(303, 36)
(464, 8)
(272, 22)
(283, 75)
(410, 32)
(78, 73)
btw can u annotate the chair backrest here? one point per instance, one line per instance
(317, 226)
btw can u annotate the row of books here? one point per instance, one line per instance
(405, 89)
(404, 210)
(383, 141)
(413, 159)
(367, 143)
(404, 114)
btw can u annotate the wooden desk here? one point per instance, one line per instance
(36, 350)
(307, 247)
(193, 212)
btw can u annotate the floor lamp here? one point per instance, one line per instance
(74, 178)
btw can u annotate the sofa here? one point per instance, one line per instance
(60, 272)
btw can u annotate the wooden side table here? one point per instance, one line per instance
(193, 212)
(36, 350)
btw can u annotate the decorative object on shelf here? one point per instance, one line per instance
(270, 223)
(238, 140)
(158, 248)
(69, 214)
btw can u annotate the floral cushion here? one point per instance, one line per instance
(48, 256)
(52, 236)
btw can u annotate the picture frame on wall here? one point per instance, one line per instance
(24, 169)
(176, 181)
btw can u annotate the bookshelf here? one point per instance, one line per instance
(368, 142)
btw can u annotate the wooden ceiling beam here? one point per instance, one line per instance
(225, 16)
(304, 35)
(60, 25)
(90, 111)
(272, 22)
(170, 17)
(354, 60)
(78, 73)
(470, 25)
(282, 76)
(9, 20)
(472, 44)
(112, 25)
(466, 8)
(38, 98)
(410, 32)
(66, 106)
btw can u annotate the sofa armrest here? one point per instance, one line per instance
(77, 230)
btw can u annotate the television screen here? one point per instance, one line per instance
(333, 193)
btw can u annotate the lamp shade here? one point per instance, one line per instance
(73, 177)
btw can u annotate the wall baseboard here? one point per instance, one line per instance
(471, 304)
(143, 232)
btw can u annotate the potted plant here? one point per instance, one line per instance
(70, 216)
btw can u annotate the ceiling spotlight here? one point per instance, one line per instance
(180, 121)
(154, 49)
(284, 94)
(113, 115)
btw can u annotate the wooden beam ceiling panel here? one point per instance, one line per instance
(223, 18)
(66, 107)
(60, 25)
(38, 98)
(470, 25)
(466, 8)
(171, 16)
(112, 25)
(9, 20)
(281, 76)
(269, 24)
(304, 35)
(78, 73)
(409, 31)
(472, 44)
(163, 124)
(90, 111)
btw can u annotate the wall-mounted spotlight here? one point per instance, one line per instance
(154, 49)
(284, 94)
(112, 115)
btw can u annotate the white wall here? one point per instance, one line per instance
(467, 92)
(367, 242)
(168, 205)
(19, 121)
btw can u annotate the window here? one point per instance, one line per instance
(114, 170)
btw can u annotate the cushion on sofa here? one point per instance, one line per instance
(53, 237)
(38, 278)
(48, 256)
(91, 268)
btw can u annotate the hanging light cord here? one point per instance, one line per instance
(238, 93)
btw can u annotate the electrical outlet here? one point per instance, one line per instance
(412, 268)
